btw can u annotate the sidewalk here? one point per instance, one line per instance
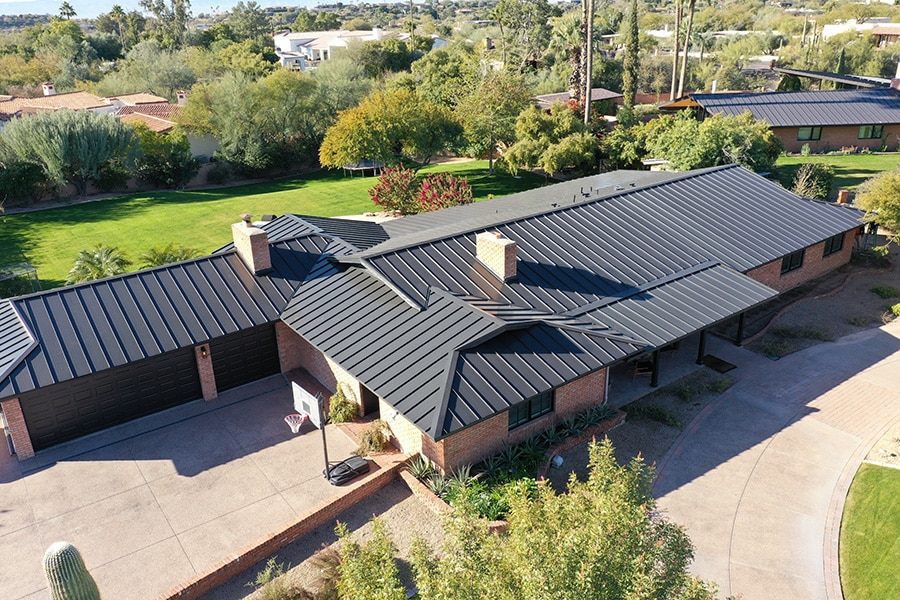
(760, 476)
(154, 502)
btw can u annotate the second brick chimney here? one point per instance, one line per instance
(498, 253)
(252, 245)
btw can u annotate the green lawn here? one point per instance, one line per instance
(870, 535)
(50, 239)
(849, 170)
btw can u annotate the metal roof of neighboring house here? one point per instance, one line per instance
(94, 326)
(804, 109)
(545, 101)
(855, 80)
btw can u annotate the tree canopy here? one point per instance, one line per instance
(71, 146)
(880, 198)
(389, 126)
(551, 141)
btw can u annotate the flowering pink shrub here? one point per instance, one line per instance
(396, 190)
(442, 190)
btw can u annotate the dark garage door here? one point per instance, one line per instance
(245, 356)
(75, 408)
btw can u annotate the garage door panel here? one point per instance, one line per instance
(245, 356)
(75, 408)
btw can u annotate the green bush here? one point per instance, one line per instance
(658, 413)
(896, 310)
(341, 409)
(219, 173)
(806, 333)
(373, 439)
(167, 161)
(885, 292)
(22, 182)
(111, 178)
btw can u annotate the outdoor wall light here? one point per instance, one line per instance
(203, 351)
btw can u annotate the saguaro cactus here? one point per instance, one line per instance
(68, 577)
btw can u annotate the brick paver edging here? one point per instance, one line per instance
(434, 503)
(576, 440)
(203, 583)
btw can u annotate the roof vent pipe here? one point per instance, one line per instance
(252, 245)
(498, 253)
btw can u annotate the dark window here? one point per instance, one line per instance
(792, 261)
(870, 132)
(834, 244)
(531, 409)
(809, 133)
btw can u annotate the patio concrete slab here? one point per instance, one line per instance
(759, 478)
(152, 503)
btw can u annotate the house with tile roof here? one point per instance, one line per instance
(825, 120)
(465, 329)
(302, 50)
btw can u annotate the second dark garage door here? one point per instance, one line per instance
(81, 406)
(245, 356)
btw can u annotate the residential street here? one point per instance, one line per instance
(759, 478)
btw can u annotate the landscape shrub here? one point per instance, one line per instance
(167, 161)
(374, 438)
(22, 182)
(397, 190)
(658, 413)
(885, 292)
(111, 178)
(341, 409)
(219, 173)
(813, 180)
(442, 190)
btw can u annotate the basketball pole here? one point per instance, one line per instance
(324, 419)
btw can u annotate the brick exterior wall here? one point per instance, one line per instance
(497, 253)
(835, 138)
(814, 265)
(329, 373)
(252, 245)
(206, 372)
(18, 429)
(487, 437)
(289, 347)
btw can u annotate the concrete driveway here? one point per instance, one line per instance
(153, 502)
(760, 476)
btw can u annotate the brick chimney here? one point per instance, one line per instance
(49, 88)
(498, 253)
(252, 245)
(843, 197)
(182, 97)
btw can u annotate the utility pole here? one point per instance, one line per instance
(588, 60)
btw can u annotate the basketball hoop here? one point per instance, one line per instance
(295, 421)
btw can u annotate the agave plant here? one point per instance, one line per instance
(509, 457)
(420, 467)
(550, 438)
(462, 477)
(438, 485)
(492, 466)
(571, 427)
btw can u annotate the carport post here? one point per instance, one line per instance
(701, 349)
(654, 376)
(739, 338)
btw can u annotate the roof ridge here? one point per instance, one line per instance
(32, 344)
(559, 208)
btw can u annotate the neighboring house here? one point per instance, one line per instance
(861, 26)
(465, 329)
(162, 118)
(14, 107)
(886, 34)
(545, 101)
(841, 80)
(304, 50)
(826, 120)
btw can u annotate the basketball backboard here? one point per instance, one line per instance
(307, 404)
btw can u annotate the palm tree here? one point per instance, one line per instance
(117, 14)
(165, 255)
(96, 263)
(566, 40)
(66, 11)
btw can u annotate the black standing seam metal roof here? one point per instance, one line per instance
(579, 253)
(864, 81)
(107, 323)
(16, 341)
(360, 235)
(805, 109)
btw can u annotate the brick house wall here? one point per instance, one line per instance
(835, 138)
(487, 437)
(294, 352)
(18, 429)
(814, 265)
(206, 372)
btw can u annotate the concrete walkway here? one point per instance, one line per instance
(759, 478)
(154, 502)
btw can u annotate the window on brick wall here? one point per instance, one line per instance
(792, 261)
(809, 133)
(531, 409)
(870, 132)
(834, 244)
